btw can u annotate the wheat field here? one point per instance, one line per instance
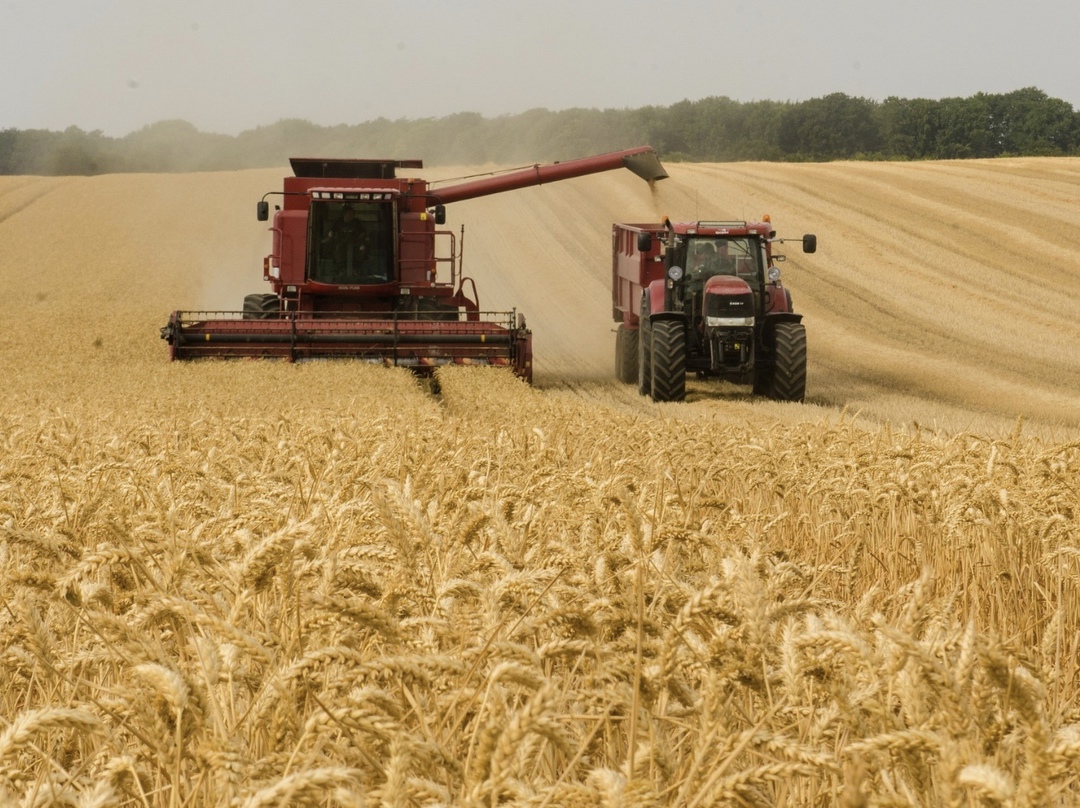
(255, 583)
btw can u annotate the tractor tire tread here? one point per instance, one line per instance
(789, 371)
(669, 361)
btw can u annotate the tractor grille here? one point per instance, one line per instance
(724, 310)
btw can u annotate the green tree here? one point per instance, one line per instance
(909, 127)
(8, 140)
(834, 127)
(1028, 121)
(965, 130)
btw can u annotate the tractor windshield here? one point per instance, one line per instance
(351, 242)
(708, 256)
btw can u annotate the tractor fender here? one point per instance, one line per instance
(777, 299)
(773, 318)
(652, 303)
(654, 297)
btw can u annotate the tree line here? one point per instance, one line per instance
(715, 129)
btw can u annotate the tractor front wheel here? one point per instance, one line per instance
(788, 381)
(668, 361)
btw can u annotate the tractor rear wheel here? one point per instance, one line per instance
(668, 361)
(261, 307)
(626, 354)
(789, 371)
(644, 357)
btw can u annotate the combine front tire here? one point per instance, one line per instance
(626, 354)
(427, 308)
(789, 373)
(668, 361)
(261, 307)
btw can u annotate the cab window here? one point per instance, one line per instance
(351, 242)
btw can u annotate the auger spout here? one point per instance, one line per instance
(642, 161)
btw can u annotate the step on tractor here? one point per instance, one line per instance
(361, 268)
(705, 298)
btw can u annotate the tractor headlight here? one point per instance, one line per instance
(774, 274)
(675, 273)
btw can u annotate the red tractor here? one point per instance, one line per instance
(360, 269)
(705, 297)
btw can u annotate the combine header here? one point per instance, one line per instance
(360, 269)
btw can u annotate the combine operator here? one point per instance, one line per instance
(349, 244)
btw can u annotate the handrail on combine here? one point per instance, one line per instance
(432, 255)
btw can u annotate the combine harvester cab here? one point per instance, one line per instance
(361, 269)
(705, 298)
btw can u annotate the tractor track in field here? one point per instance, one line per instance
(17, 197)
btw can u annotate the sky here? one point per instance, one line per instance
(231, 65)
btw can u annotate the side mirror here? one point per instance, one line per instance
(262, 210)
(809, 243)
(440, 214)
(644, 242)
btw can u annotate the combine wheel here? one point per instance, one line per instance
(626, 354)
(261, 307)
(668, 361)
(789, 373)
(428, 308)
(644, 357)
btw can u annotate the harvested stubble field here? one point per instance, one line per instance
(260, 584)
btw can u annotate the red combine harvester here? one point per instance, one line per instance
(360, 270)
(705, 297)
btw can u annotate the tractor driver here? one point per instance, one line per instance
(702, 261)
(724, 262)
(351, 243)
(711, 259)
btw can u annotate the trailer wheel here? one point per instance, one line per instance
(644, 357)
(261, 307)
(626, 354)
(668, 361)
(789, 373)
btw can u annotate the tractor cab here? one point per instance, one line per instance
(720, 295)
